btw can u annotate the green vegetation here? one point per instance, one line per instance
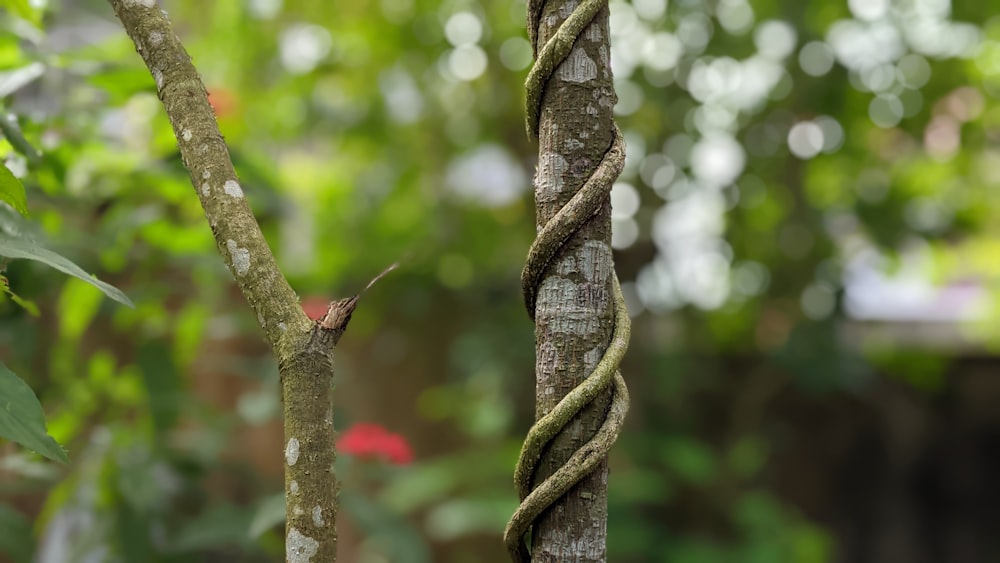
(805, 230)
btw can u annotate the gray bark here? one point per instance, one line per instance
(574, 312)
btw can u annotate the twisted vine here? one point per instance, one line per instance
(551, 238)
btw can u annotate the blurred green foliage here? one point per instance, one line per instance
(807, 182)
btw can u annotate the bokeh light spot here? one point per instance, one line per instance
(735, 16)
(467, 62)
(775, 39)
(818, 301)
(455, 271)
(913, 71)
(717, 160)
(624, 233)
(833, 133)
(303, 46)
(650, 10)
(885, 110)
(515, 53)
(624, 200)
(805, 139)
(868, 9)
(463, 28)
(816, 58)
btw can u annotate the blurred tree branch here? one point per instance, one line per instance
(304, 348)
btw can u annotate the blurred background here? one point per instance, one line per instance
(806, 231)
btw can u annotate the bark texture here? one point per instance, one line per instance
(573, 309)
(304, 348)
(570, 289)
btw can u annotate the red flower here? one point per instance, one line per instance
(315, 307)
(371, 441)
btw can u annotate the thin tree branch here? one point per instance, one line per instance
(304, 348)
(206, 157)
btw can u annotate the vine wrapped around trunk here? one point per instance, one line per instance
(570, 290)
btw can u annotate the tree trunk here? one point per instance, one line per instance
(574, 310)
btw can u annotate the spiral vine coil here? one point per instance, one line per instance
(550, 240)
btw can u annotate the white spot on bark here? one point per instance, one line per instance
(566, 9)
(572, 144)
(282, 327)
(578, 67)
(595, 261)
(297, 510)
(155, 38)
(186, 134)
(206, 190)
(240, 256)
(206, 175)
(591, 358)
(565, 306)
(293, 487)
(591, 110)
(144, 3)
(566, 266)
(260, 319)
(292, 452)
(572, 300)
(593, 33)
(299, 548)
(549, 177)
(232, 187)
(558, 305)
(606, 101)
(318, 516)
(158, 78)
(602, 52)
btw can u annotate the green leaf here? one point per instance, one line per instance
(25, 304)
(22, 419)
(123, 83)
(270, 512)
(11, 130)
(220, 525)
(164, 385)
(29, 250)
(16, 540)
(77, 304)
(23, 9)
(395, 538)
(133, 534)
(13, 80)
(12, 191)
